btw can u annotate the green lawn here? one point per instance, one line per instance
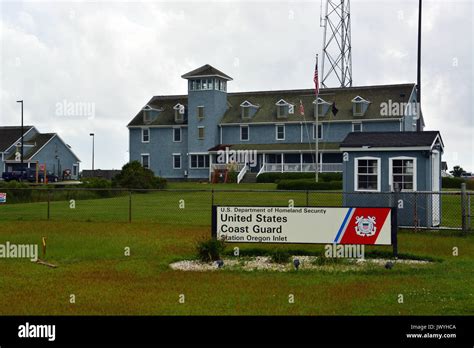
(88, 243)
(92, 266)
(167, 206)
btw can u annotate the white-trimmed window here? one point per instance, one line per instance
(244, 133)
(402, 172)
(179, 111)
(199, 161)
(283, 108)
(200, 113)
(201, 133)
(359, 106)
(367, 174)
(320, 131)
(145, 135)
(176, 161)
(177, 134)
(247, 108)
(357, 127)
(280, 132)
(145, 159)
(321, 107)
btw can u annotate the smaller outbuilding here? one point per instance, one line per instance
(46, 150)
(378, 163)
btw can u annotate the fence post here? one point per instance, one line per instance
(49, 201)
(415, 211)
(307, 198)
(212, 197)
(130, 206)
(463, 207)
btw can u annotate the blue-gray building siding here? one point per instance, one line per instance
(160, 148)
(301, 132)
(416, 208)
(57, 157)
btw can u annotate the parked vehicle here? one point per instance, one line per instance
(467, 175)
(29, 175)
(15, 175)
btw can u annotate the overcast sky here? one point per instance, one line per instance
(113, 56)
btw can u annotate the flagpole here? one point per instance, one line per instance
(316, 131)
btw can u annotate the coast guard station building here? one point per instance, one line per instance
(369, 133)
(179, 136)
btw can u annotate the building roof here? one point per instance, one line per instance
(37, 142)
(390, 139)
(267, 111)
(9, 135)
(341, 97)
(206, 70)
(277, 147)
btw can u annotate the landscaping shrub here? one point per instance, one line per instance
(470, 184)
(96, 183)
(275, 177)
(279, 256)
(232, 176)
(308, 184)
(16, 196)
(210, 249)
(135, 176)
(448, 182)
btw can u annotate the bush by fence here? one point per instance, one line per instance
(308, 184)
(275, 177)
(455, 183)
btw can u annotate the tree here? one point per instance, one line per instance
(135, 176)
(457, 171)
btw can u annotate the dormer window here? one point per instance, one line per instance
(150, 114)
(179, 113)
(246, 108)
(359, 106)
(283, 108)
(321, 107)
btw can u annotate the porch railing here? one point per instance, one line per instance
(241, 174)
(298, 167)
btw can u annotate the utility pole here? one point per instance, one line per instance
(418, 70)
(93, 145)
(22, 132)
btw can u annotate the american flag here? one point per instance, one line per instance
(301, 108)
(316, 78)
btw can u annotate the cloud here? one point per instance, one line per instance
(115, 56)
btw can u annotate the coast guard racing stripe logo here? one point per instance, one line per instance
(365, 226)
(362, 226)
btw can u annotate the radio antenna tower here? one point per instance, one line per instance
(337, 57)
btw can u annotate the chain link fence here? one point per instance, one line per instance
(416, 210)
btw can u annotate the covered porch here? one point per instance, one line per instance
(275, 158)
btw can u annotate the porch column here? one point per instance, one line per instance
(321, 161)
(210, 166)
(282, 159)
(301, 162)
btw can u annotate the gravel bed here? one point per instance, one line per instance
(263, 263)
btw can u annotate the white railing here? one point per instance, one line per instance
(242, 173)
(262, 170)
(298, 167)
